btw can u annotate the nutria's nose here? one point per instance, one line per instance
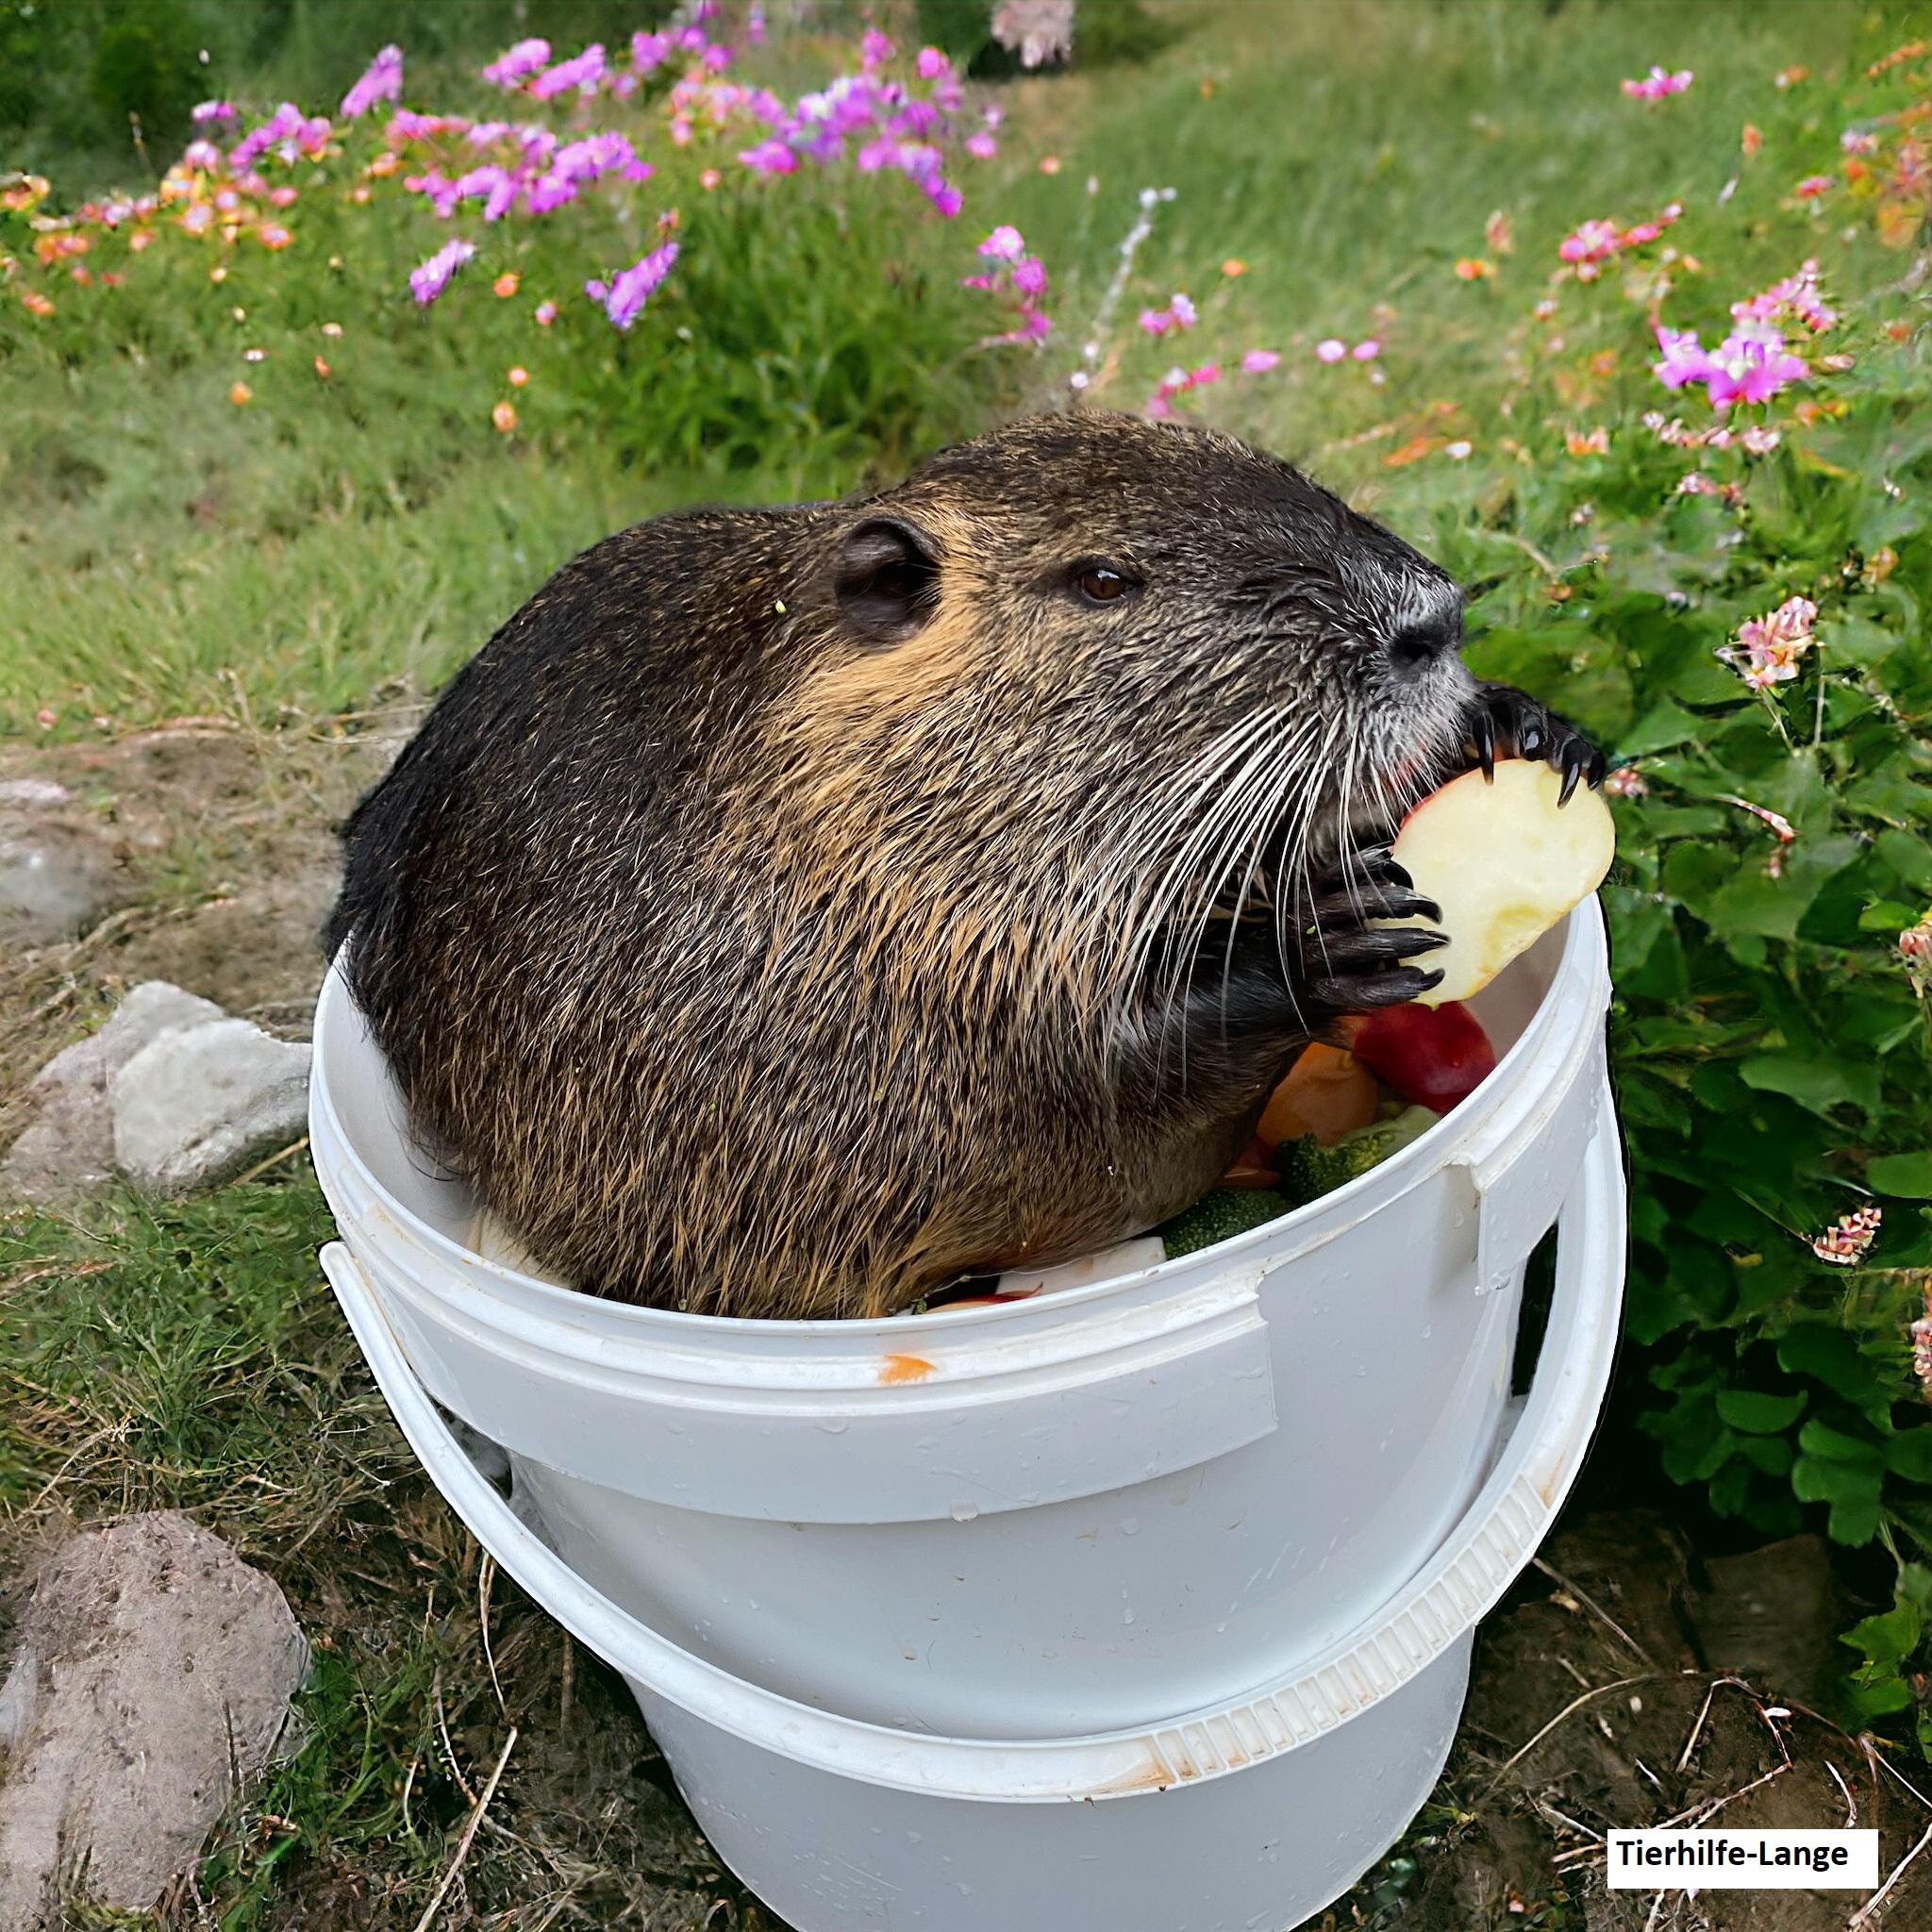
(1418, 644)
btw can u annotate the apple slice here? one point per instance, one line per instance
(1505, 861)
(1327, 1092)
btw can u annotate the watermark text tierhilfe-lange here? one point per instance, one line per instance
(1780, 1860)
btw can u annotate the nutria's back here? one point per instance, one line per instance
(791, 910)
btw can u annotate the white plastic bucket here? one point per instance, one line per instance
(1072, 1513)
(1249, 1813)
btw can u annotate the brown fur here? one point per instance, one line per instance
(768, 931)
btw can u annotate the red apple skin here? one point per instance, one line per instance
(1433, 1056)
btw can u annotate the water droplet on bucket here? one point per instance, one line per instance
(965, 1513)
(1130, 1527)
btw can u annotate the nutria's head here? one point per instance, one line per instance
(1142, 670)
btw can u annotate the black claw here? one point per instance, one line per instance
(1572, 772)
(1376, 989)
(1599, 770)
(1486, 744)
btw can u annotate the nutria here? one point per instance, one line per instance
(790, 910)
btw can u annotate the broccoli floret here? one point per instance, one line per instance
(1309, 1169)
(1219, 1217)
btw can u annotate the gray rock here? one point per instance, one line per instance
(69, 1144)
(196, 1106)
(153, 1669)
(54, 883)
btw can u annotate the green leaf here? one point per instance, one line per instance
(1664, 725)
(1815, 1084)
(1909, 858)
(1907, 1175)
(1833, 1357)
(1893, 796)
(1887, 915)
(1825, 1479)
(1908, 1453)
(1820, 1439)
(1854, 1521)
(1887, 1640)
(1755, 902)
(1762, 1415)
(1880, 1697)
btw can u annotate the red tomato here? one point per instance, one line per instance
(1432, 1056)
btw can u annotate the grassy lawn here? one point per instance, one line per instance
(337, 545)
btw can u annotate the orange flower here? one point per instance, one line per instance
(1754, 140)
(141, 237)
(322, 368)
(1496, 235)
(1596, 443)
(1471, 269)
(518, 377)
(240, 393)
(383, 164)
(1234, 265)
(710, 180)
(359, 193)
(1049, 164)
(504, 285)
(1412, 451)
(273, 235)
(36, 303)
(505, 417)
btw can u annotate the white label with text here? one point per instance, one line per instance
(1821, 1860)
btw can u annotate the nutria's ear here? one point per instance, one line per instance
(888, 581)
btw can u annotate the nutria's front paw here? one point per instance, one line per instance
(1508, 722)
(1348, 965)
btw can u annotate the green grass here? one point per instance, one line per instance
(163, 552)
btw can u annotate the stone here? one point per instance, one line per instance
(196, 1106)
(68, 1146)
(153, 1671)
(54, 882)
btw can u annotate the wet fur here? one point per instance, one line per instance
(760, 944)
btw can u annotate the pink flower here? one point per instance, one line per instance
(768, 158)
(1626, 781)
(1366, 352)
(1259, 361)
(1813, 186)
(874, 50)
(432, 277)
(1182, 311)
(982, 146)
(381, 81)
(546, 314)
(629, 291)
(1208, 372)
(932, 63)
(1795, 295)
(1855, 142)
(1751, 365)
(1592, 242)
(1847, 1240)
(524, 58)
(1331, 350)
(1004, 244)
(213, 110)
(202, 154)
(648, 51)
(1656, 84)
(583, 74)
(1029, 275)
(1767, 651)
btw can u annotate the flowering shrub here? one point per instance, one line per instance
(1721, 570)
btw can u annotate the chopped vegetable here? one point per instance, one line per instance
(1309, 1169)
(1219, 1217)
(1435, 1057)
(1328, 1092)
(1505, 861)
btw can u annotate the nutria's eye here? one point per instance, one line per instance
(1100, 583)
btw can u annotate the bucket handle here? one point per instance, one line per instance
(1467, 1575)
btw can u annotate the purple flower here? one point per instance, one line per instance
(649, 51)
(583, 74)
(1656, 84)
(982, 146)
(932, 63)
(1029, 275)
(524, 58)
(1259, 361)
(874, 50)
(202, 154)
(717, 57)
(1684, 360)
(213, 110)
(634, 287)
(1331, 350)
(768, 158)
(1367, 351)
(381, 81)
(943, 197)
(429, 280)
(1182, 311)
(495, 187)
(1006, 243)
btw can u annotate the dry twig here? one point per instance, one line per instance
(468, 1837)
